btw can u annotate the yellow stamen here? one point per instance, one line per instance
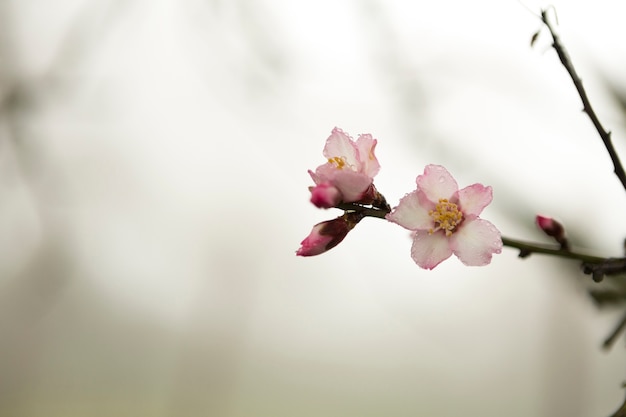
(446, 215)
(339, 161)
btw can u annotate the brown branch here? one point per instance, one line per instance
(615, 333)
(595, 266)
(367, 211)
(587, 108)
(527, 248)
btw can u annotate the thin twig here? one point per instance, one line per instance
(615, 333)
(368, 211)
(587, 108)
(525, 248)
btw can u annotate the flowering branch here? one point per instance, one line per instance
(525, 248)
(346, 182)
(445, 219)
(592, 265)
(587, 108)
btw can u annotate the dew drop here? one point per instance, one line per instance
(441, 179)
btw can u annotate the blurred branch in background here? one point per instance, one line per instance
(399, 75)
(37, 266)
(54, 323)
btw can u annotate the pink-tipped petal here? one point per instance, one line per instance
(412, 212)
(429, 250)
(366, 146)
(474, 198)
(437, 183)
(476, 241)
(544, 222)
(340, 144)
(550, 226)
(325, 195)
(315, 243)
(326, 235)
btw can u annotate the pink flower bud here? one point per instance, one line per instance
(553, 229)
(549, 226)
(326, 235)
(325, 195)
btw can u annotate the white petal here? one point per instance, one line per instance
(474, 198)
(476, 241)
(366, 145)
(412, 212)
(340, 144)
(436, 183)
(428, 250)
(351, 184)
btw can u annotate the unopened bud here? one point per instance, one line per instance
(326, 235)
(553, 229)
(325, 195)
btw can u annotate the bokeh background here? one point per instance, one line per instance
(153, 191)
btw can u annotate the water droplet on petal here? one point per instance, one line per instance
(441, 179)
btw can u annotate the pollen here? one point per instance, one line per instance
(446, 215)
(338, 161)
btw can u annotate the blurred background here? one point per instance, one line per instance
(153, 191)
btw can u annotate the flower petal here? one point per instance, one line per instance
(324, 195)
(436, 183)
(352, 185)
(412, 212)
(429, 250)
(369, 164)
(316, 242)
(476, 241)
(474, 198)
(339, 144)
(316, 178)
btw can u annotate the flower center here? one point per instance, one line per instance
(446, 215)
(338, 161)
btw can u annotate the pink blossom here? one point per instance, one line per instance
(326, 235)
(445, 221)
(347, 176)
